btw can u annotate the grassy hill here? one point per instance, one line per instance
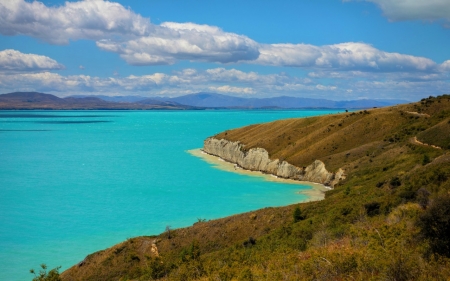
(388, 220)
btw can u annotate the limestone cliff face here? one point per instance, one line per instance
(257, 159)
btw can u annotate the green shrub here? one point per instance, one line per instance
(43, 275)
(435, 225)
(372, 209)
(298, 215)
(395, 182)
(426, 159)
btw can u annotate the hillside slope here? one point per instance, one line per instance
(388, 220)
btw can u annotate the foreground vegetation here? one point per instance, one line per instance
(388, 220)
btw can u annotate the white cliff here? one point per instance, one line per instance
(257, 159)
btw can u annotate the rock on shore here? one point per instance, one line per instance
(257, 159)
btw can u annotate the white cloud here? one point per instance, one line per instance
(15, 61)
(401, 10)
(344, 56)
(445, 66)
(184, 41)
(325, 88)
(120, 30)
(89, 19)
(231, 89)
(221, 80)
(135, 39)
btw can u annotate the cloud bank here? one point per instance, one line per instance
(343, 85)
(135, 39)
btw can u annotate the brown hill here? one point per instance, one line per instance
(388, 220)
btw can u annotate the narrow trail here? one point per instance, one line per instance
(416, 141)
(418, 114)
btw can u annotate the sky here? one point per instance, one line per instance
(332, 49)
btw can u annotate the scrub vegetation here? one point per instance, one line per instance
(388, 220)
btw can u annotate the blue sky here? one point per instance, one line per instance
(339, 50)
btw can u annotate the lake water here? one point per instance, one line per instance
(75, 182)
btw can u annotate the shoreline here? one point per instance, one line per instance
(316, 193)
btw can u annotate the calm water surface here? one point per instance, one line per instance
(75, 182)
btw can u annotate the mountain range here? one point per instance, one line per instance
(35, 100)
(218, 100)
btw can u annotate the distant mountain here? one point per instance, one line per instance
(112, 98)
(153, 101)
(35, 100)
(224, 101)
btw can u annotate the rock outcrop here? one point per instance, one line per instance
(257, 159)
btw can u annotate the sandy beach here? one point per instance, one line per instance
(317, 191)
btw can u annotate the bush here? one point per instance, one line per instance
(395, 182)
(435, 225)
(298, 215)
(156, 268)
(372, 209)
(426, 159)
(52, 275)
(422, 197)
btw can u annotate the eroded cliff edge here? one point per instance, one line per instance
(257, 159)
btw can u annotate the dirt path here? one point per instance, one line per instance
(416, 141)
(418, 114)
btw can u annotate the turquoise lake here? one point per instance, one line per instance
(75, 182)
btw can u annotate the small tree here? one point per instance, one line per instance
(168, 232)
(52, 275)
(298, 214)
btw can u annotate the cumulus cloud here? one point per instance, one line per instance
(15, 61)
(344, 56)
(89, 19)
(184, 41)
(120, 30)
(445, 66)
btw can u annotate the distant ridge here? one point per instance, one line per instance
(35, 100)
(218, 100)
(213, 100)
(112, 98)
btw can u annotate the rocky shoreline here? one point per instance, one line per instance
(257, 159)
